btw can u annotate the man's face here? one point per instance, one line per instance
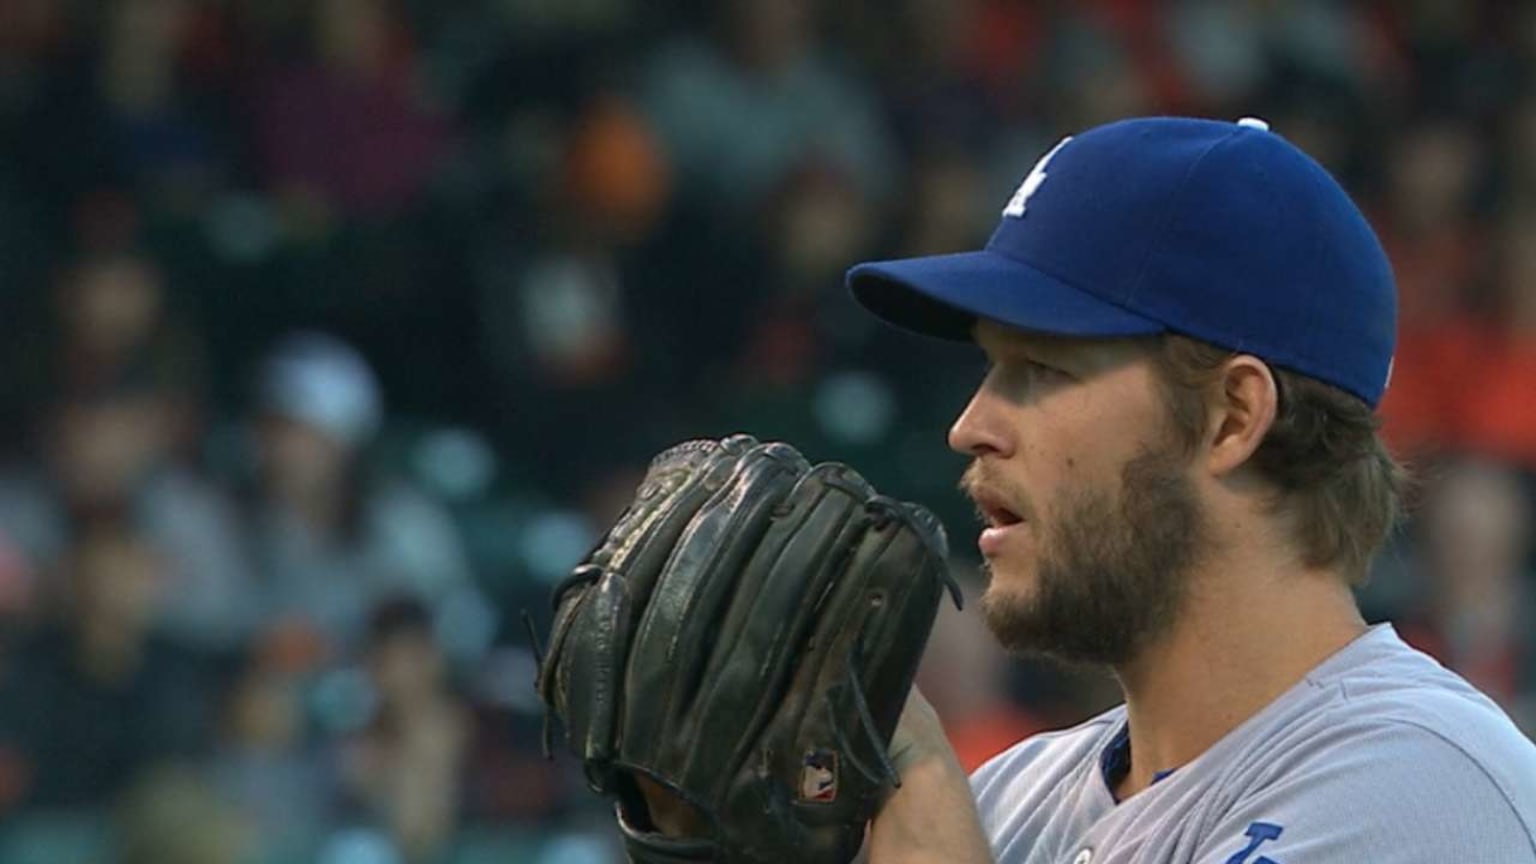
(1092, 521)
(298, 459)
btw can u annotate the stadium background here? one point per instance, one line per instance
(331, 331)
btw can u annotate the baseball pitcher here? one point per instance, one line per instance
(1175, 463)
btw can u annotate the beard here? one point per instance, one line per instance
(1113, 574)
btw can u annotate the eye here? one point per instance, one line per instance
(1020, 379)
(1047, 370)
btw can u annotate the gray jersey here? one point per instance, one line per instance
(1379, 755)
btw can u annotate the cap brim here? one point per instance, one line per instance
(944, 295)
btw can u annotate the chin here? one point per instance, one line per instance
(1010, 582)
(1008, 574)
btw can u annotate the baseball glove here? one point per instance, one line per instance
(745, 638)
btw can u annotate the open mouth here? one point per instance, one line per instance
(993, 512)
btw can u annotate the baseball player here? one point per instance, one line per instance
(1174, 457)
(1175, 460)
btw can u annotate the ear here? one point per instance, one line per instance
(1242, 411)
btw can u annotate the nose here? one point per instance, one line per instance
(980, 430)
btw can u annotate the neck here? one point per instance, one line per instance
(1240, 643)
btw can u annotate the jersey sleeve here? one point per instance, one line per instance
(1397, 793)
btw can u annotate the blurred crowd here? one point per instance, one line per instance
(334, 331)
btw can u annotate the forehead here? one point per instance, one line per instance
(1000, 341)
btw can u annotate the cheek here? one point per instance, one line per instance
(1056, 463)
(1076, 454)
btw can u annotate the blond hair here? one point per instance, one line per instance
(1336, 485)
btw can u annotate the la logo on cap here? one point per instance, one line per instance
(1032, 183)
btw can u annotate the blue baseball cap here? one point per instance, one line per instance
(1224, 232)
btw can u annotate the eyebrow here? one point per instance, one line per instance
(1079, 355)
(1029, 345)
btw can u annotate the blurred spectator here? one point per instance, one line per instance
(18, 584)
(814, 225)
(558, 320)
(156, 120)
(1435, 252)
(406, 768)
(330, 539)
(114, 318)
(1102, 63)
(1477, 537)
(346, 130)
(93, 697)
(935, 80)
(1228, 51)
(509, 780)
(741, 111)
(1494, 412)
(800, 332)
(565, 307)
(119, 382)
(109, 453)
(108, 316)
(615, 179)
(949, 210)
(282, 785)
(172, 817)
(28, 28)
(1519, 141)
